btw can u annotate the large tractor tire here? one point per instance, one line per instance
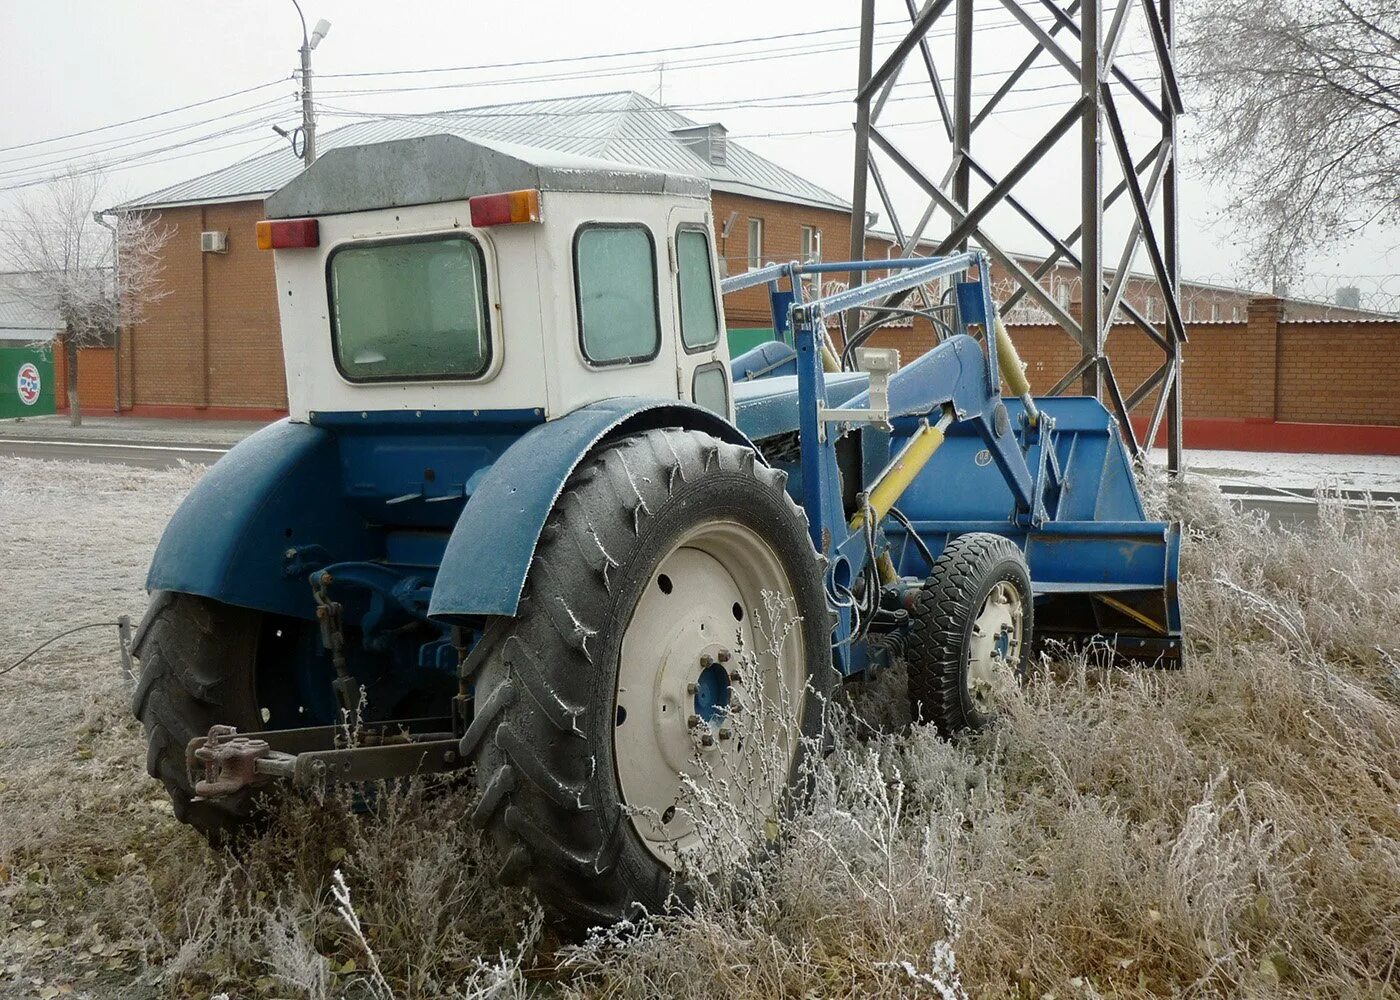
(648, 610)
(971, 626)
(198, 668)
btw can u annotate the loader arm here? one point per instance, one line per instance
(1007, 472)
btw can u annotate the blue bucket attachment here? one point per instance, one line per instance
(1098, 566)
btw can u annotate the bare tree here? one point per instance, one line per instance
(95, 277)
(1298, 104)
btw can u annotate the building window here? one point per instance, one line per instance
(755, 244)
(1151, 309)
(407, 310)
(615, 285)
(696, 288)
(811, 244)
(1062, 294)
(1191, 311)
(1235, 313)
(1215, 312)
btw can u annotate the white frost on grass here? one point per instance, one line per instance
(76, 539)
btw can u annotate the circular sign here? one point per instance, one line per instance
(28, 384)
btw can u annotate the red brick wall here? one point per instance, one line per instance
(1330, 372)
(214, 340)
(1322, 372)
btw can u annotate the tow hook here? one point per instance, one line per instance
(230, 763)
(225, 763)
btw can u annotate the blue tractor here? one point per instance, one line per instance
(528, 519)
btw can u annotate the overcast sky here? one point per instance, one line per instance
(75, 65)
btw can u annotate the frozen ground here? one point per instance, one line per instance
(1227, 829)
(1305, 473)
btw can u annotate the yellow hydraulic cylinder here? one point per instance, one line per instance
(891, 484)
(1013, 371)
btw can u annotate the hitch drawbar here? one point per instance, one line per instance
(225, 762)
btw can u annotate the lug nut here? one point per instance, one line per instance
(707, 740)
(705, 660)
(724, 656)
(734, 677)
(725, 734)
(691, 688)
(693, 721)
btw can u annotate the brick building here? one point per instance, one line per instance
(212, 346)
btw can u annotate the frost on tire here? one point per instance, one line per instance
(622, 658)
(971, 628)
(198, 661)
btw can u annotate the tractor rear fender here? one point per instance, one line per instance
(274, 492)
(488, 555)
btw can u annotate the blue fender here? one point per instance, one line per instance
(276, 490)
(488, 556)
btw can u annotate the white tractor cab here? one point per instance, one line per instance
(442, 274)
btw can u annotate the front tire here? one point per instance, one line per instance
(641, 600)
(971, 628)
(198, 669)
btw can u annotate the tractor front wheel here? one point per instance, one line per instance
(672, 649)
(970, 630)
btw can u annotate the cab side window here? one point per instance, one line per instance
(699, 316)
(615, 286)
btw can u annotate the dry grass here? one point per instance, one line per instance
(1230, 829)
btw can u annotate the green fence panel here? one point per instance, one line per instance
(746, 340)
(26, 381)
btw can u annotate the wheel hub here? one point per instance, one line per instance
(690, 654)
(995, 644)
(712, 688)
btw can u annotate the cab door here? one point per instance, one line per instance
(702, 360)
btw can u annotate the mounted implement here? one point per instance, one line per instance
(526, 515)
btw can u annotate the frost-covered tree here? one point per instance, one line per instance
(95, 276)
(1297, 105)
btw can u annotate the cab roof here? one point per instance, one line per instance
(434, 169)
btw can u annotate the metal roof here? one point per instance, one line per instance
(433, 169)
(623, 126)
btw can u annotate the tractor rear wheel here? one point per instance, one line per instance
(971, 626)
(674, 581)
(198, 660)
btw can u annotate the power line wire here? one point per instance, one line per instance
(143, 118)
(122, 142)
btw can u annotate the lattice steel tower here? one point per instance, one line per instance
(964, 190)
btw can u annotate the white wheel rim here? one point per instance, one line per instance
(718, 605)
(994, 648)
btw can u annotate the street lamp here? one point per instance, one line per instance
(308, 114)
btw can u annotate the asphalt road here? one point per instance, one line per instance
(151, 456)
(1283, 507)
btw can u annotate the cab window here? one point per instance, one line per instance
(615, 286)
(406, 310)
(699, 318)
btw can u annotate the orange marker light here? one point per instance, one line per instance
(288, 234)
(505, 209)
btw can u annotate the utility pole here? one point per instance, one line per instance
(115, 228)
(308, 110)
